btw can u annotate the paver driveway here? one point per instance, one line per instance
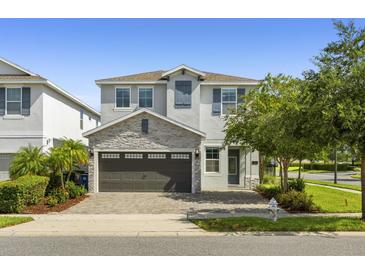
(244, 201)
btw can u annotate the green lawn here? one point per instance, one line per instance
(353, 187)
(356, 176)
(333, 200)
(283, 224)
(9, 221)
(296, 169)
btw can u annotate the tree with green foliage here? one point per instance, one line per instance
(76, 155)
(272, 120)
(58, 162)
(336, 93)
(28, 160)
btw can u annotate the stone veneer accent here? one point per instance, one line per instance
(161, 135)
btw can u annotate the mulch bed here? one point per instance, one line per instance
(44, 209)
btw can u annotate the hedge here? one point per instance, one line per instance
(329, 167)
(17, 194)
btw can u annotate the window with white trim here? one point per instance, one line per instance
(122, 97)
(229, 100)
(211, 159)
(180, 156)
(81, 119)
(145, 97)
(110, 156)
(13, 101)
(133, 156)
(156, 156)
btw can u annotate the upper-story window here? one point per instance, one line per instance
(226, 99)
(229, 100)
(145, 97)
(122, 97)
(183, 91)
(15, 101)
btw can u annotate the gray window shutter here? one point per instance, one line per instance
(183, 90)
(26, 101)
(216, 106)
(2, 101)
(240, 93)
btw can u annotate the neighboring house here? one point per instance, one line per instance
(35, 111)
(163, 131)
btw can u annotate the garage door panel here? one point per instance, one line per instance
(145, 174)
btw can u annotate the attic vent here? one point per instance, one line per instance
(145, 126)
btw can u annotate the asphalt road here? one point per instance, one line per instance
(210, 245)
(342, 177)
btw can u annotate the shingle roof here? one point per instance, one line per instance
(145, 76)
(157, 75)
(21, 78)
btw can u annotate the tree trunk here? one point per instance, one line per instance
(335, 166)
(363, 184)
(281, 174)
(261, 167)
(68, 176)
(285, 173)
(300, 168)
(62, 181)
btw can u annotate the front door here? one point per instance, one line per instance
(233, 166)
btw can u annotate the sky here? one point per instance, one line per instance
(73, 53)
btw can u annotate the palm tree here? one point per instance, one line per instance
(58, 160)
(28, 160)
(76, 153)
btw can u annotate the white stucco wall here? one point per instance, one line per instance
(219, 180)
(61, 118)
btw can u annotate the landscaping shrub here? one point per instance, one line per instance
(297, 201)
(75, 190)
(52, 201)
(59, 194)
(269, 190)
(329, 167)
(269, 180)
(17, 194)
(296, 184)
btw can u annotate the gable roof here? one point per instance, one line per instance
(139, 111)
(160, 76)
(32, 78)
(183, 67)
(17, 67)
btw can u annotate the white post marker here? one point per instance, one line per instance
(273, 208)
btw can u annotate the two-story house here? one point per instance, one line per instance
(35, 111)
(164, 131)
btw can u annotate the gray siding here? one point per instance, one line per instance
(16, 132)
(212, 125)
(108, 111)
(5, 69)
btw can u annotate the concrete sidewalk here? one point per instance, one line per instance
(105, 225)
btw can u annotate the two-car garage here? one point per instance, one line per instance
(144, 152)
(145, 171)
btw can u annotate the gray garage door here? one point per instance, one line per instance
(144, 172)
